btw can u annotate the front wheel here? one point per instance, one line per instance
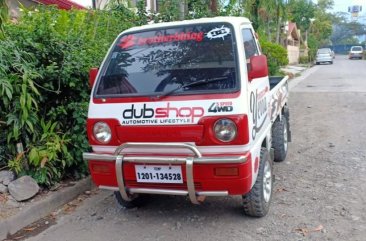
(256, 202)
(137, 201)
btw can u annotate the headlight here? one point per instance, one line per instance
(225, 130)
(102, 132)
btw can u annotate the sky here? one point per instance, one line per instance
(342, 5)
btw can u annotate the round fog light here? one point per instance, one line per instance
(102, 132)
(225, 130)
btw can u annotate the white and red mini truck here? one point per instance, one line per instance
(187, 108)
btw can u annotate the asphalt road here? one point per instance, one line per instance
(320, 190)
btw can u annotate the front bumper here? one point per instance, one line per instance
(355, 55)
(121, 162)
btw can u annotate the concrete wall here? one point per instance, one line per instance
(293, 53)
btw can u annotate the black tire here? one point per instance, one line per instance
(280, 139)
(317, 63)
(137, 201)
(256, 203)
(331, 62)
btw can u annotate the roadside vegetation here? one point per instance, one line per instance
(46, 54)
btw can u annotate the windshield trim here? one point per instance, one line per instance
(107, 60)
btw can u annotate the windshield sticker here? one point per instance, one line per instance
(218, 33)
(131, 40)
(127, 42)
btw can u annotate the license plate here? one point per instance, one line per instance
(159, 174)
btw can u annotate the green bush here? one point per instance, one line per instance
(313, 47)
(44, 64)
(304, 60)
(276, 56)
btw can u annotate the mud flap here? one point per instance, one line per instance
(286, 113)
(271, 154)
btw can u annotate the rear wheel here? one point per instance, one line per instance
(256, 202)
(137, 201)
(280, 139)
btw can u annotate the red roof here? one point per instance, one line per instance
(291, 26)
(62, 4)
(292, 31)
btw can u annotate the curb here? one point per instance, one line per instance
(304, 74)
(42, 208)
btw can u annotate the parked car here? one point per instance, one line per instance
(324, 55)
(356, 52)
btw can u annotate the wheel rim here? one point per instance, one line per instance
(285, 138)
(267, 182)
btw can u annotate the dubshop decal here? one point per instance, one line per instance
(218, 33)
(220, 107)
(259, 110)
(132, 40)
(161, 115)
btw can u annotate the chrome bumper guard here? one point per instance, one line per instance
(119, 158)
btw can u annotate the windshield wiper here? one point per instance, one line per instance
(197, 82)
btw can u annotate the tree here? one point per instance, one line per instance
(169, 10)
(252, 7)
(214, 6)
(3, 17)
(301, 12)
(142, 18)
(280, 15)
(203, 8)
(266, 15)
(325, 4)
(344, 32)
(322, 26)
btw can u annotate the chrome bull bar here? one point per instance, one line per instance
(119, 158)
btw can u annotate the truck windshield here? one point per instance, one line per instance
(356, 48)
(165, 61)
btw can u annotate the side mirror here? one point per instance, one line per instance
(93, 72)
(258, 67)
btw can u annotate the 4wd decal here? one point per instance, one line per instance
(259, 110)
(221, 107)
(218, 33)
(132, 40)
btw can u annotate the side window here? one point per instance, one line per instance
(250, 45)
